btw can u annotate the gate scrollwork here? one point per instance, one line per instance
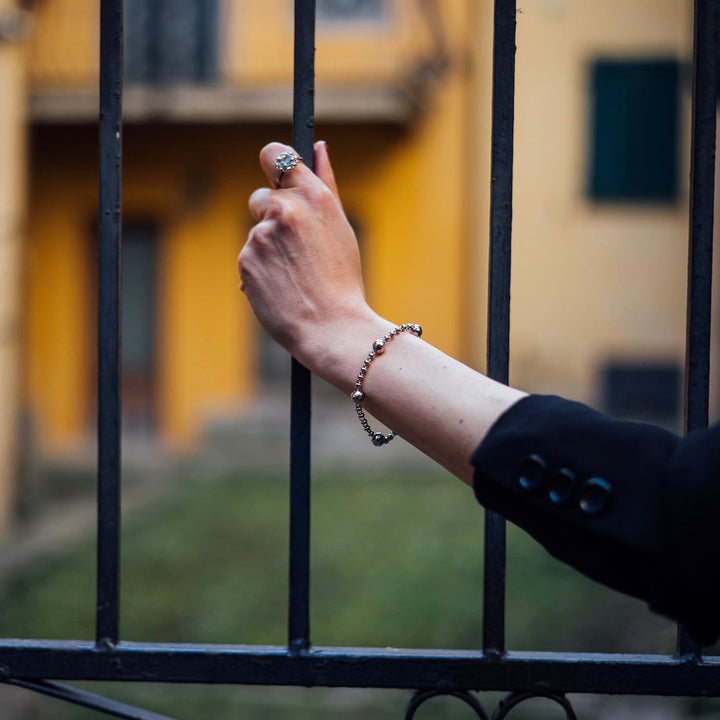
(422, 696)
(502, 711)
(514, 699)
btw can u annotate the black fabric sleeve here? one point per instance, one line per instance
(628, 504)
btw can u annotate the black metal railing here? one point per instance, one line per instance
(35, 664)
(109, 339)
(300, 407)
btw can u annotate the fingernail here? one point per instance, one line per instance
(327, 147)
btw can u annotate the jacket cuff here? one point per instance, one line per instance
(591, 490)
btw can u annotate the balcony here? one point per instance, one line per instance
(393, 103)
(201, 61)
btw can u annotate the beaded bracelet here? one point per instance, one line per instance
(357, 395)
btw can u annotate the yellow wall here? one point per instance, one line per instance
(186, 181)
(207, 344)
(195, 184)
(591, 282)
(64, 43)
(362, 52)
(403, 185)
(59, 301)
(408, 188)
(256, 43)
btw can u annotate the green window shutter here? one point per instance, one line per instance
(634, 133)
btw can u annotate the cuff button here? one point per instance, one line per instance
(562, 486)
(595, 497)
(531, 473)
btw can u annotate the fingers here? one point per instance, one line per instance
(259, 203)
(299, 175)
(265, 202)
(323, 167)
(257, 246)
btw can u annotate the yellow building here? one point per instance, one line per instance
(600, 272)
(204, 93)
(404, 103)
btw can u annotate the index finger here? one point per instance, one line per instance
(296, 176)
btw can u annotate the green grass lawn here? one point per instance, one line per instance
(396, 561)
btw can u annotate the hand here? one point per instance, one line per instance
(300, 267)
(300, 270)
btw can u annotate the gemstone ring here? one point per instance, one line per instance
(284, 163)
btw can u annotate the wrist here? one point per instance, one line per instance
(336, 350)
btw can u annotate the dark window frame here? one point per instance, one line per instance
(375, 12)
(634, 130)
(154, 57)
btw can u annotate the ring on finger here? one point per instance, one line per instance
(284, 163)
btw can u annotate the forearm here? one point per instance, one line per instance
(300, 270)
(436, 403)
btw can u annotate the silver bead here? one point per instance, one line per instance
(416, 329)
(358, 396)
(379, 347)
(378, 439)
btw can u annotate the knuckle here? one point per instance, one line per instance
(318, 194)
(242, 260)
(263, 235)
(260, 244)
(248, 266)
(283, 211)
(256, 197)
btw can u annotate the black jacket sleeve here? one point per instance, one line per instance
(630, 505)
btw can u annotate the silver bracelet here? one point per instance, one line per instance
(357, 395)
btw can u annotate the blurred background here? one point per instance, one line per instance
(403, 100)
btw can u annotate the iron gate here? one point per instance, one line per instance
(36, 664)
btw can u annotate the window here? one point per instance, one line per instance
(350, 9)
(171, 41)
(644, 391)
(139, 310)
(634, 134)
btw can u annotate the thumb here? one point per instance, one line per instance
(323, 168)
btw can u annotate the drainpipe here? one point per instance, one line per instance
(479, 40)
(13, 162)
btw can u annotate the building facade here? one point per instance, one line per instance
(206, 88)
(403, 100)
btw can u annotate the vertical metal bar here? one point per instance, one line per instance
(300, 407)
(109, 228)
(498, 350)
(702, 196)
